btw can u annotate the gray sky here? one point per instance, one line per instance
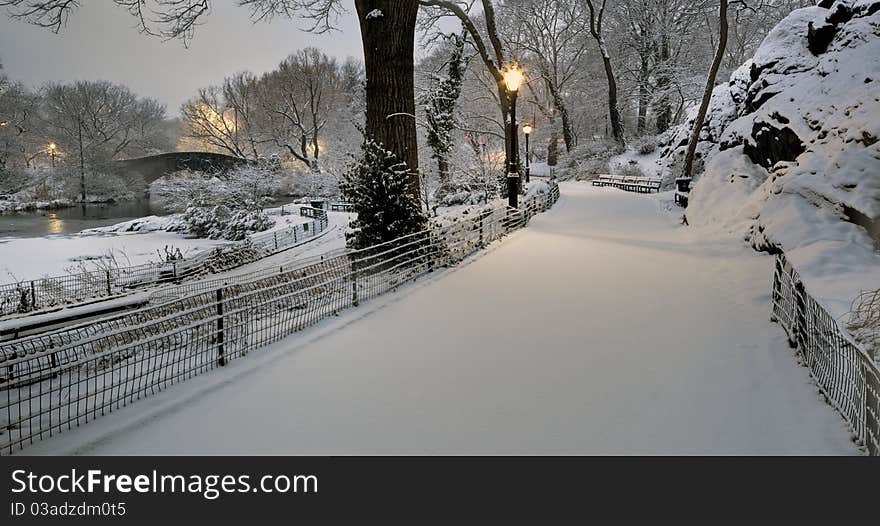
(101, 42)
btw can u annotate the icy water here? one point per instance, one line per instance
(73, 219)
(81, 217)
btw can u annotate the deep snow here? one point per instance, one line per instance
(603, 327)
(792, 158)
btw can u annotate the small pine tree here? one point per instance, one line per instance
(376, 184)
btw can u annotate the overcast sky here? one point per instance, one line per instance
(101, 42)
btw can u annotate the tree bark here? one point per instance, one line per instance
(559, 104)
(443, 169)
(664, 107)
(613, 111)
(707, 94)
(553, 142)
(82, 161)
(388, 40)
(644, 75)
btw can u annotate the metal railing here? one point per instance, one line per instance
(846, 375)
(27, 296)
(56, 381)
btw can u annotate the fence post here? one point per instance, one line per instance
(294, 234)
(33, 296)
(778, 269)
(482, 214)
(109, 288)
(221, 359)
(354, 287)
(872, 411)
(275, 236)
(800, 319)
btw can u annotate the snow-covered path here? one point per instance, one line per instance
(602, 328)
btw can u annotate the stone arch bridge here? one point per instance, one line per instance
(153, 167)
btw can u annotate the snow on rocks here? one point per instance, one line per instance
(791, 152)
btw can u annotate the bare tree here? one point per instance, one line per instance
(298, 99)
(387, 32)
(97, 122)
(554, 34)
(492, 54)
(226, 119)
(596, 17)
(20, 130)
(707, 94)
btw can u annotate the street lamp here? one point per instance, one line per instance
(527, 130)
(513, 78)
(52, 152)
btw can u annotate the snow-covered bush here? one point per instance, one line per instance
(220, 222)
(247, 186)
(299, 182)
(587, 160)
(645, 145)
(630, 170)
(227, 205)
(475, 176)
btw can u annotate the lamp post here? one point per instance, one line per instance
(53, 150)
(513, 77)
(527, 130)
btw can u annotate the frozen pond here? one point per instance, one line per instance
(71, 220)
(74, 219)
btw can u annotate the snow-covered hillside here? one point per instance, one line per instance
(790, 150)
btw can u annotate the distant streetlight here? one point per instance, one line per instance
(527, 130)
(513, 78)
(53, 151)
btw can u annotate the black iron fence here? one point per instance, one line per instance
(28, 296)
(56, 381)
(847, 376)
(342, 207)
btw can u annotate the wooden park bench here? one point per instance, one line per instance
(630, 184)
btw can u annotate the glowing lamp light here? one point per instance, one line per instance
(513, 78)
(527, 128)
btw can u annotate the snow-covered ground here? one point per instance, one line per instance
(603, 327)
(646, 164)
(130, 243)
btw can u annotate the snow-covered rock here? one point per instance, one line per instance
(791, 159)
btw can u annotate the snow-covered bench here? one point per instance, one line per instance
(628, 183)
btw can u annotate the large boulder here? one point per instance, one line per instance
(791, 150)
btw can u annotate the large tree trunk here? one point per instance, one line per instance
(664, 108)
(504, 106)
(613, 111)
(596, 31)
(388, 36)
(559, 103)
(707, 94)
(644, 74)
(553, 142)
